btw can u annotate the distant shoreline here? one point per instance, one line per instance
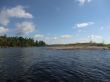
(94, 46)
(23, 47)
(69, 47)
(78, 47)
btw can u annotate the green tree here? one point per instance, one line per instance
(19, 42)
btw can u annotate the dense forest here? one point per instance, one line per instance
(19, 42)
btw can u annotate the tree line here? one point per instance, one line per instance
(19, 42)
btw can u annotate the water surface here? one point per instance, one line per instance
(48, 65)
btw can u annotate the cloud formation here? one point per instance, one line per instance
(84, 24)
(18, 12)
(3, 30)
(53, 39)
(66, 36)
(82, 2)
(39, 37)
(24, 28)
(96, 38)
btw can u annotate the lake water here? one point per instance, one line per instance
(47, 65)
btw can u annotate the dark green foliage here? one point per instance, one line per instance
(19, 42)
(41, 43)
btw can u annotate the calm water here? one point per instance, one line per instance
(47, 65)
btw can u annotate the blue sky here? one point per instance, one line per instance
(56, 21)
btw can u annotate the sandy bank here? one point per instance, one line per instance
(78, 47)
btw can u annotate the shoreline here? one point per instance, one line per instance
(79, 47)
(69, 47)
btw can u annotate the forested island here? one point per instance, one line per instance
(19, 42)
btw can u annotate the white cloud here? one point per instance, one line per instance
(25, 28)
(66, 36)
(18, 12)
(84, 24)
(53, 39)
(3, 30)
(39, 36)
(96, 38)
(82, 2)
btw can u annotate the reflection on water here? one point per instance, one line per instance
(46, 65)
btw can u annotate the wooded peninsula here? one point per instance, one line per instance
(19, 42)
